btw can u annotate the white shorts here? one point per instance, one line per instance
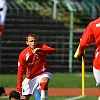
(29, 85)
(97, 76)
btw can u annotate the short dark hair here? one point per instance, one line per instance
(32, 35)
(15, 95)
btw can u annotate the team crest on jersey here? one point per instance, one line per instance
(37, 57)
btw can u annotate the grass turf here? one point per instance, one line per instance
(59, 80)
(63, 98)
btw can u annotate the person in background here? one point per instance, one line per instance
(33, 60)
(13, 95)
(92, 33)
(3, 11)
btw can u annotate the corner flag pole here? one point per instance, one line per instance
(83, 67)
(83, 83)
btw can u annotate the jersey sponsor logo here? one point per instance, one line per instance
(36, 61)
(30, 63)
(98, 25)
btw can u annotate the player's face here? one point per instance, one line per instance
(31, 42)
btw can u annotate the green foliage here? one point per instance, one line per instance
(41, 0)
(46, 8)
(20, 1)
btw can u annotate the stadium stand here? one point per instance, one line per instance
(21, 21)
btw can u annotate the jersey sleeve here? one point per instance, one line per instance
(48, 49)
(86, 39)
(21, 69)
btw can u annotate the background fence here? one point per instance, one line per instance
(22, 19)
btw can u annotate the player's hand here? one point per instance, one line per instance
(20, 93)
(79, 58)
(35, 50)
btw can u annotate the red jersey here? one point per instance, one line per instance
(92, 33)
(33, 63)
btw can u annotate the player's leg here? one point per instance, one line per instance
(97, 78)
(45, 78)
(28, 87)
(44, 88)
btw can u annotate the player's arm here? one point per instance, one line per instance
(19, 81)
(21, 69)
(45, 48)
(85, 41)
(48, 49)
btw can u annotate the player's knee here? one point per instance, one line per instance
(44, 85)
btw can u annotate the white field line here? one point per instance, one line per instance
(75, 98)
(4, 97)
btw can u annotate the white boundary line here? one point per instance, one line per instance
(75, 98)
(4, 97)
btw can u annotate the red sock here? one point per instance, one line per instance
(44, 86)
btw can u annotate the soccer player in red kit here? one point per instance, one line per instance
(33, 60)
(92, 33)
